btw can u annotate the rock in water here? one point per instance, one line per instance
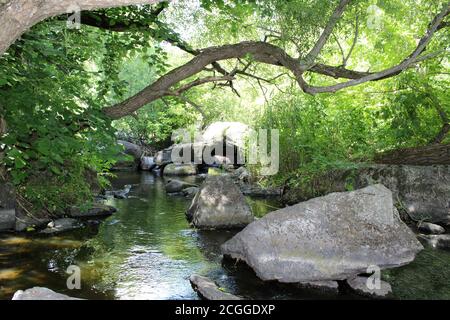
(7, 206)
(190, 192)
(163, 157)
(38, 293)
(175, 186)
(430, 228)
(423, 190)
(361, 286)
(180, 170)
(441, 241)
(321, 285)
(208, 290)
(61, 225)
(219, 204)
(334, 237)
(147, 163)
(97, 210)
(131, 149)
(7, 219)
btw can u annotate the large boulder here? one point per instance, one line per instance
(39, 293)
(180, 170)
(422, 190)
(334, 237)
(219, 204)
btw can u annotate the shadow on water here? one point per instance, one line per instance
(147, 250)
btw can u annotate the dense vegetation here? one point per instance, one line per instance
(55, 82)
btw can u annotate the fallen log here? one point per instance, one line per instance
(437, 154)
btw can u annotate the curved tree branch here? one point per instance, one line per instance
(270, 54)
(414, 57)
(17, 16)
(315, 51)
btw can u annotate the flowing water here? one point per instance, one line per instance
(147, 250)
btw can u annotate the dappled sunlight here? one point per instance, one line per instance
(10, 274)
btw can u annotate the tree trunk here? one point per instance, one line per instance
(438, 154)
(17, 16)
(2, 154)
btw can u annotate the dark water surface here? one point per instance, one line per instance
(147, 250)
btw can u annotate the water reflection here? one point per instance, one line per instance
(147, 250)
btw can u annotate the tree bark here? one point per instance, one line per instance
(17, 16)
(442, 134)
(438, 154)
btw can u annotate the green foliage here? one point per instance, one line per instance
(54, 83)
(154, 123)
(54, 193)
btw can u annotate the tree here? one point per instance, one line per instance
(16, 15)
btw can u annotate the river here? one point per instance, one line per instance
(147, 250)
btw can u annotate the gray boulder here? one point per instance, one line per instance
(180, 170)
(7, 219)
(334, 237)
(190, 192)
(163, 157)
(97, 210)
(38, 293)
(147, 163)
(130, 158)
(441, 241)
(26, 221)
(430, 228)
(7, 206)
(241, 174)
(219, 204)
(62, 225)
(120, 194)
(361, 286)
(208, 290)
(176, 186)
(422, 190)
(131, 149)
(258, 191)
